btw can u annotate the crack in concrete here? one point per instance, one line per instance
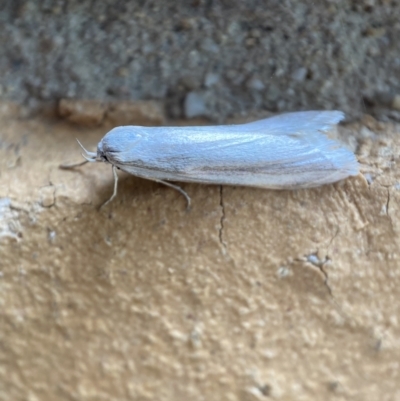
(314, 260)
(333, 237)
(325, 273)
(318, 263)
(387, 211)
(222, 219)
(327, 259)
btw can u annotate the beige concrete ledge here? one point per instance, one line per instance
(251, 295)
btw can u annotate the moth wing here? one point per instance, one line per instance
(309, 121)
(287, 151)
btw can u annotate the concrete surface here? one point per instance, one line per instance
(251, 295)
(230, 56)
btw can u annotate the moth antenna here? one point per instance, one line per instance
(90, 159)
(90, 156)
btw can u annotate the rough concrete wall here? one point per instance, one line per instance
(251, 295)
(236, 55)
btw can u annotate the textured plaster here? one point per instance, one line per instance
(251, 295)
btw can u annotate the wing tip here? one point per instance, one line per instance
(345, 161)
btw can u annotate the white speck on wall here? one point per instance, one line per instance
(194, 105)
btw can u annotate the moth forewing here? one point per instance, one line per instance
(288, 151)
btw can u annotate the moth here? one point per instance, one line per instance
(287, 151)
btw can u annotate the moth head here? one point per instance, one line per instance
(89, 156)
(100, 156)
(116, 143)
(109, 147)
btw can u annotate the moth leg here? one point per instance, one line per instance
(114, 169)
(179, 189)
(71, 166)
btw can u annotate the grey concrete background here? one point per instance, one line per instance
(216, 58)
